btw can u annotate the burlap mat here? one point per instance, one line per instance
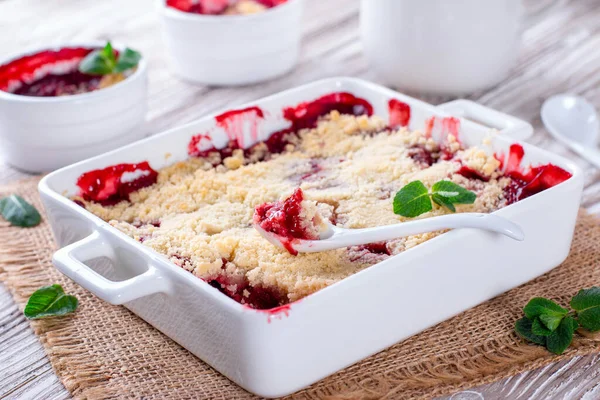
(105, 351)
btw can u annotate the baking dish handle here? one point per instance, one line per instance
(506, 124)
(70, 261)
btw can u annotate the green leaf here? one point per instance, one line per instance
(49, 301)
(590, 319)
(523, 329)
(538, 328)
(127, 60)
(443, 201)
(99, 62)
(412, 200)
(587, 305)
(542, 306)
(18, 212)
(550, 321)
(562, 337)
(109, 53)
(454, 193)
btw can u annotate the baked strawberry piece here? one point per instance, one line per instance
(290, 219)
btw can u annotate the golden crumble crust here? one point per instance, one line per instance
(200, 217)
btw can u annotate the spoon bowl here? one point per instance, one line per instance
(334, 237)
(574, 122)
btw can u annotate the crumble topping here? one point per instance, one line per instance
(349, 167)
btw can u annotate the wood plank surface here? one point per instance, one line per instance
(560, 53)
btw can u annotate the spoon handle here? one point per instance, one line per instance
(352, 237)
(592, 154)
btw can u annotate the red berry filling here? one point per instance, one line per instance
(239, 289)
(284, 219)
(470, 173)
(422, 156)
(257, 297)
(213, 7)
(399, 113)
(303, 116)
(372, 252)
(48, 73)
(60, 85)
(527, 182)
(114, 184)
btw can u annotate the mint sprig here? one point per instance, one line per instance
(104, 62)
(548, 324)
(50, 301)
(414, 199)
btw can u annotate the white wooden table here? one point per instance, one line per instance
(560, 53)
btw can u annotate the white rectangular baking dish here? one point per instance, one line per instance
(276, 352)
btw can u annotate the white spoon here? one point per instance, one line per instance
(574, 122)
(335, 237)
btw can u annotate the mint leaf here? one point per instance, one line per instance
(127, 60)
(99, 62)
(542, 306)
(109, 53)
(412, 200)
(562, 337)
(538, 328)
(443, 201)
(550, 321)
(49, 301)
(587, 305)
(18, 212)
(523, 329)
(454, 193)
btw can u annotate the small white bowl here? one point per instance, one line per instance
(232, 49)
(39, 134)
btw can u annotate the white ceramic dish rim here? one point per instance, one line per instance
(215, 19)
(241, 310)
(90, 96)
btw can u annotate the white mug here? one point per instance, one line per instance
(439, 46)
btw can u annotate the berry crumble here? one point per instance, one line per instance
(53, 73)
(337, 161)
(224, 7)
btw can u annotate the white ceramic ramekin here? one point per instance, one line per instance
(232, 49)
(39, 134)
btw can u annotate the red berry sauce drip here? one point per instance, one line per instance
(107, 186)
(32, 75)
(283, 219)
(213, 7)
(196, 140)
(303, 116)
(439, 129)
(399, 113)
(235, 121)
(529, 181)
